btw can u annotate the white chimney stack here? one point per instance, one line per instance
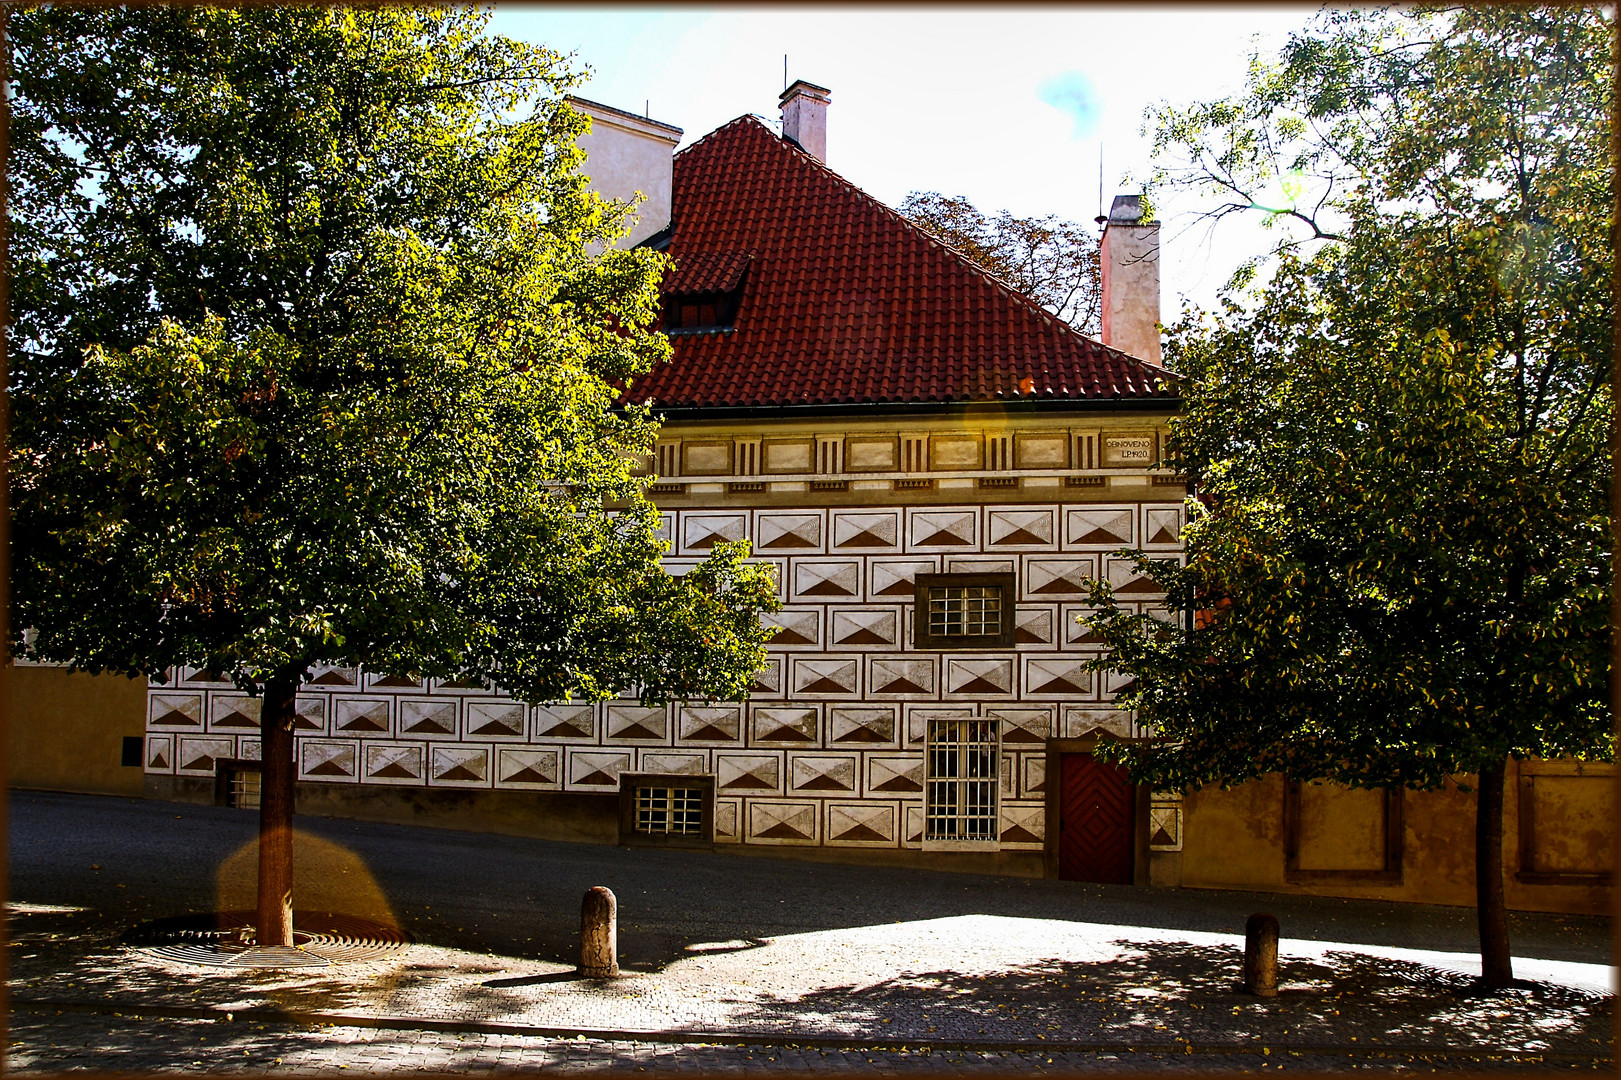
(627, 156)
(1130, 268)
(804, 117)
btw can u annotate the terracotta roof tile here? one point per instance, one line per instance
(846, 302)
(707, 272)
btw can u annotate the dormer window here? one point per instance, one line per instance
(697, 313)
(703, 292)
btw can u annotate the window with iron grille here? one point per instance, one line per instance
(666, 810)
(964, 611)
(674, 809)
(961, 782)
(237, 784)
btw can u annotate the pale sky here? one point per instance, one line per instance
(1006, 106)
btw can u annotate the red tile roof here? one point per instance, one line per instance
(707, 272)
(846, 302)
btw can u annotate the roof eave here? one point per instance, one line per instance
(1167, 404)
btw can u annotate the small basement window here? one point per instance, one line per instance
(237, 784)
(666, 808)
(964, 611)
(662, 810)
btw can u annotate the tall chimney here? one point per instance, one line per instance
(1130, 267)
(804, 117)
(629, 156)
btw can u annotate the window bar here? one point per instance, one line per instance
(962, 779)
(965, 611)
(669, 810)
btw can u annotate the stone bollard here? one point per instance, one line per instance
(1261, 956)
(599, 934)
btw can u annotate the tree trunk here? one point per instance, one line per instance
(1496, 967)
(276, 809)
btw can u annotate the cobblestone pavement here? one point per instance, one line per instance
(130, 1044)
(818, 967)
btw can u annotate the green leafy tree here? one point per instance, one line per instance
(1398, 567)
(1052, 261)
(311, 363)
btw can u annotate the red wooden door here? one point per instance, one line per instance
(1095, 816)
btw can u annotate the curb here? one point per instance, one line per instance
(273, 1015)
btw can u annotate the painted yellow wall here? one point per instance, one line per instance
(1235, 839)
(66, 732)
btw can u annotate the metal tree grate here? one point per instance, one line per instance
(227, 939)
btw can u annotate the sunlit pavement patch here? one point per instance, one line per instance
(978, 981)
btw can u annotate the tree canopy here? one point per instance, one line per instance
(1399, 423)
(1050, 260)
(310, 362)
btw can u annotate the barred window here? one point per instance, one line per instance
(237, 784)
(662, 810)
(962, 779)
(974, 611)
(244, 790)
(964, 611)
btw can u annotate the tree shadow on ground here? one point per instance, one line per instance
(1146, 993)
(133, 1044)
(1162, 992)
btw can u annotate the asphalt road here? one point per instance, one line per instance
(129, 860)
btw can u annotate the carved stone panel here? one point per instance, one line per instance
(711, 723)
(786, 724)
(1058, 577)
(942, 530)
(866, 530)
(892, 579)
(826, 579)
(950, 452)
(1042, 450)
(529, 768)
(748, 774)
(798, 628)
(1109, 526)
(785, 531)
(788, 455)
(394, 763)
(1057, 676)
(853, 628)
(706, 458)
(861, 824)
(868, 454)
(701, 530)
(861, 725)
(826, 677)
(1020, 529)
(1129, 449)
(774, 822)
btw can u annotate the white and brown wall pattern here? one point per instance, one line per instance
(830, 747)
